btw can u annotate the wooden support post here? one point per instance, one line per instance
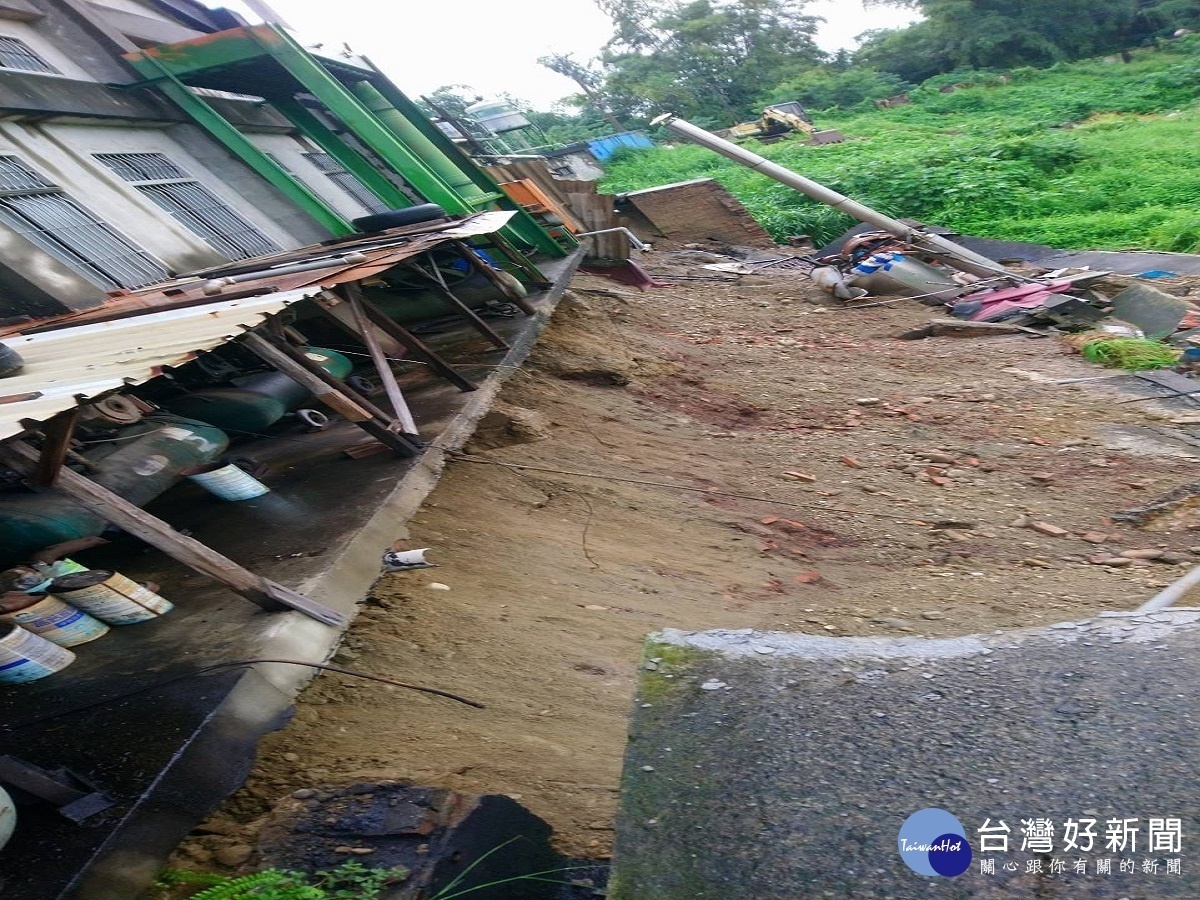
(414, 344)
(518, 259)
(473, 260)
(332, 397)
(154, 531)
(353, 295)
(279, 340)
(439, 285)
(58, 431)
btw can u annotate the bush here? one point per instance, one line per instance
(1082, 155)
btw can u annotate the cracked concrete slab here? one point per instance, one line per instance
(779, 765)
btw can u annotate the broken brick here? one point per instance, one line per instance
(807, 578)
(1094, 537)
(801, 476)
(1047, 529)
(851, 462)
(1141, 554)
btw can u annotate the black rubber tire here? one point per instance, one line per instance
(396, 218)
(10, 361)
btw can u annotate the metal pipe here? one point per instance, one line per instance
(1173, 593)
(935, 245)
(216, 285)
(633, 238)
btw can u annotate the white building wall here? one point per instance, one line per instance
(64, 154)
(44, 47)
(290, 152)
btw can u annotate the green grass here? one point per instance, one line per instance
(1096, 154)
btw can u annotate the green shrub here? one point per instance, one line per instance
(1084, 155)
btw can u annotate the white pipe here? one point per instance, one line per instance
(216, 285)
(1173, 593)
(633, 238)
(937, 246)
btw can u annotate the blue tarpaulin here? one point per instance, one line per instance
(603, 148)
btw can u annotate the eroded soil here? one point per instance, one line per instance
(916, 470)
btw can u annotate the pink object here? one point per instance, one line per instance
(999, 303)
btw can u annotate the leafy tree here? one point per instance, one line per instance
(984, 34)
(825, 87)
(589, 80)
(706, 59)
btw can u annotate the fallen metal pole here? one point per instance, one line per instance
(1173, 593)
(935, 245)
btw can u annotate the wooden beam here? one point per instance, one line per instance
(415, 345)
(473, 260)
(58, 432)
(154, 531)
(434, 277)
(354, 296)
(333, 398)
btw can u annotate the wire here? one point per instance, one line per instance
(237, 664)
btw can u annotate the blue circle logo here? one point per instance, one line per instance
(933, 842)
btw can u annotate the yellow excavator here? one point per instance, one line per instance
(782, 119)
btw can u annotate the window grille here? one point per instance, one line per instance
(39, 211)
(347, 181)
(190, 203)
(16, 54)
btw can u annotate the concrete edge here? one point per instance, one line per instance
(1131, 627)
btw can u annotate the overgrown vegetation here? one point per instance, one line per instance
(1095, 154)
(349, 881)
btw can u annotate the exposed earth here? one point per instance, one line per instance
(830, 479)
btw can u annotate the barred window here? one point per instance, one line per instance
(347, 181)
(39, 211)
(190, 203)
(16, 54)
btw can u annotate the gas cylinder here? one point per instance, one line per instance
(255, 402)
(144, 460)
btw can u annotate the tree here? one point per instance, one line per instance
(709, 59)
(589, 81)
(1006, 33)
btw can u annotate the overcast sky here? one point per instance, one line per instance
(493, 45)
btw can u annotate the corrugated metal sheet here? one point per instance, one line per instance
(382, 253)
(91, 360)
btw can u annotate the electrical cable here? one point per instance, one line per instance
(236, 664)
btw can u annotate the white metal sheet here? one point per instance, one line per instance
(89, 360)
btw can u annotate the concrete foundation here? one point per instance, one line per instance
(773, 766)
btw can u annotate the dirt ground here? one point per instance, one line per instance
(828, 477)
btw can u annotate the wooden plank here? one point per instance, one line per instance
(354, 296)
(327, 394)
(368, 417)
(414, 345)
(438, 284)
(157, 533)
(58, 431)
(478, 265)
